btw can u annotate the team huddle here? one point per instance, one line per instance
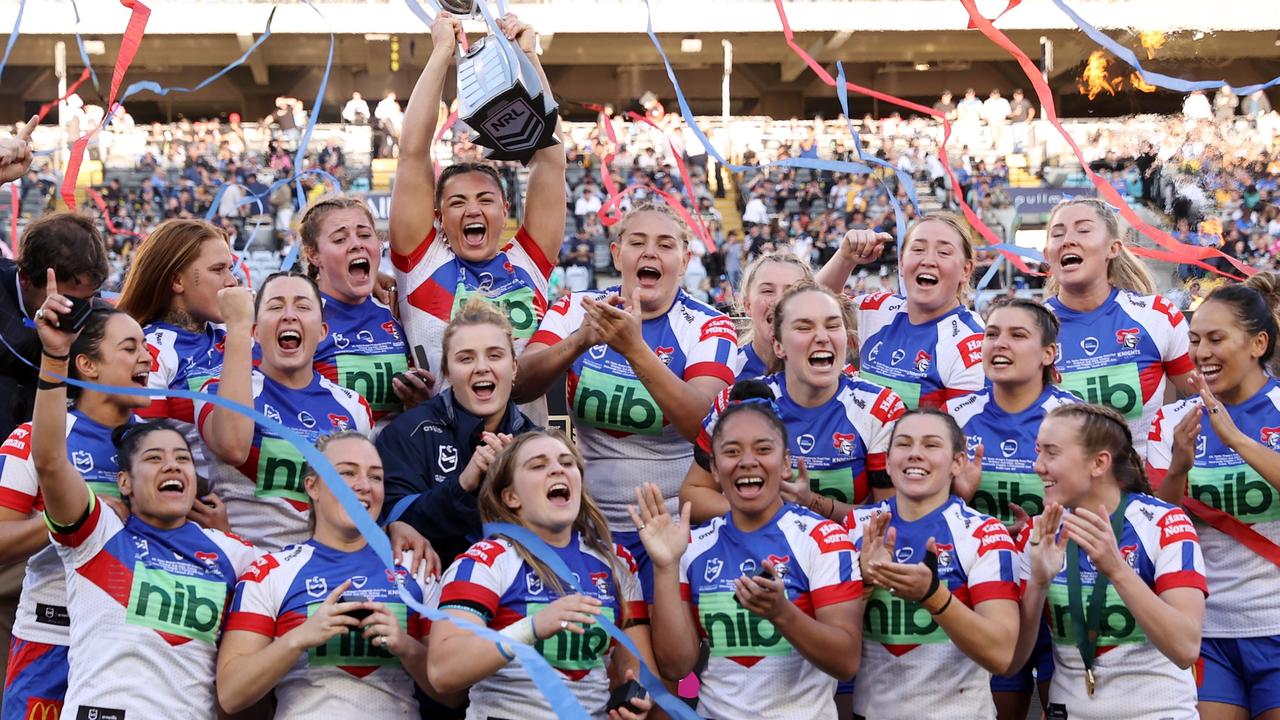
(886, 505)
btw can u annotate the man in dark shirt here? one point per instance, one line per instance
(945, 106)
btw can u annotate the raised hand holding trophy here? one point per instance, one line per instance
(500, 95)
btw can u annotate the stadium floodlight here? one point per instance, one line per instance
(691, 45)
(95, 47)
(922, 66)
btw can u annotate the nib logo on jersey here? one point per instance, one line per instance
(1118, 626)
(515, 298)
(900, 625)
(1235, 489)
(614, 403)
(186, 606)
(573, 654)
(371, 375)
(351, 651)
(998, 489)
(278, 469)
(737, 633)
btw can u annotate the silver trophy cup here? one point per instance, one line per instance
(500, 96)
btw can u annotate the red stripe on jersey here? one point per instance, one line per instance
(434, 299)
(288, 621)
(1179, 366)
(182, 410)
(1150, 378)
(937, 398)
(544, 337)
(360, 671)
(22, 653)
(464, 592)
(1156, 476)
(716, 370)
(534, 250)
(86, 528)
(846, 591)
(252, 622)
(1182, 578)
(17, 501)
(685, 593)
(637, 610)
(993, 590)
(110, 575)
(505, 616)
(327, 369)
(405, 263)
(159, 408)
(877, 461)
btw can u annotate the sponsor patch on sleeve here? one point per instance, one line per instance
(626, 556)
(485, 552)
(970, 350)
(831, 537)
(1176, 527)
(874, 301)
(720, 328)
(1168, 309)
(888, 406)
(1154, 435)
(259, 569)
(992, 535)
(561, 306)
(18, 444)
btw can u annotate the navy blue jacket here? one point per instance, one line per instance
(424, 451)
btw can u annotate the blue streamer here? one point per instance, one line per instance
(692, 122)
(546, 678)
(674, 706)
(84, 54)
(13, 36)
(1165, 81)
(159, 89)
(990, 274)
(301, 154)
(900, 222)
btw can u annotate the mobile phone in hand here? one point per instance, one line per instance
(73, 321)
(359, 613)
(623, 695)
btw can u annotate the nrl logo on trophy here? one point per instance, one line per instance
(500, 95)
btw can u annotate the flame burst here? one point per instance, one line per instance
(1095, 79)
(1137, 83)
(1152, 40)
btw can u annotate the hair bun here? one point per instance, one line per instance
(1268, 284)
(750, 389)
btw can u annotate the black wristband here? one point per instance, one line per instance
(931, 562)
(51, 356)
(42, 384)
(944, 607)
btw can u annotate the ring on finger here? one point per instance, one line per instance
(40, 314)
(381, 640)
(564, 624)
(893, 590)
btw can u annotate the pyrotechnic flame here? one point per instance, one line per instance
(1152, 40)
(1094, 79)
(1137, 83)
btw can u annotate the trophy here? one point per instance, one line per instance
(500, 96)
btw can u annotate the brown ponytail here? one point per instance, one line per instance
(1102, 429)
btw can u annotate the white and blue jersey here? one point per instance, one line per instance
(1134, 679)
(271, 508)
(491, 581)
(183, 360)
(363, 351)
(753, 670)
(752, 365)
(347, 676)
(1121, 354)
(147, 606)
(1245, 597)
(926, 364)
(621, 430)
(908, 661)
(1009, 446)
(839, 441)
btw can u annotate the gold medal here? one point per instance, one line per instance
(1089, 683)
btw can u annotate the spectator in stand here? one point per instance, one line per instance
(389, 117)
(588, 202)
(1225, 103)
(946, 106)
(1256, 105)
(356, 111)
(756, 213)
(970, 108)
(1196, 107)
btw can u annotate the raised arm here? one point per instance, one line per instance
(413, 196)
(228, 433)
(541, 363)
(545, 200)
(858, 247)
(672, 625)
(703, 493)
(66, 496)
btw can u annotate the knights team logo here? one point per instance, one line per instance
(389, 327)
(946, 552)
(317, 587)
(781, 565)
(1009, 447)
(82, 460)
(1127, 338)
(210, 559)
(1130, 555)
(923, 361)
(1271, 437)
(712, 569)
(447, 458)
(843, 442)
(1089, 345)
(601, 581)
(665, 354)
(341, 422)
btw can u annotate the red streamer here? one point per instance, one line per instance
(700, 228)
(827, 78)
(45, 108)
(106, 217)
(1174, 250)
(139, 14)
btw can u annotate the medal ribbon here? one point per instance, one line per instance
(1086, 627)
